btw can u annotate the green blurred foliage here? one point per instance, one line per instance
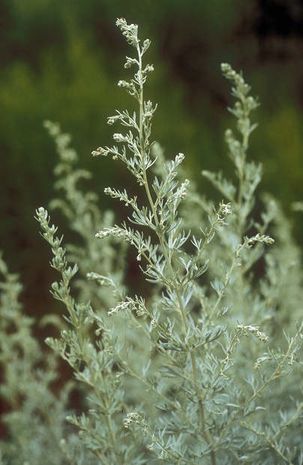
(60, 60)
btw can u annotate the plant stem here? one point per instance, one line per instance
(169, 261)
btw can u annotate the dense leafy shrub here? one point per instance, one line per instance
(205, 367)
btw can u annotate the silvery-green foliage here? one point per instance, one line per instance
(101, 269)
(23, 374)
(215, 367)
(81, 209)
(205, 368)
(35, 421)
(240, 192)
(92, 359)
(282, 287)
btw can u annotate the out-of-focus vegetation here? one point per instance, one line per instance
(59, 59)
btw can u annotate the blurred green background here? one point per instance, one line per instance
(60, 60)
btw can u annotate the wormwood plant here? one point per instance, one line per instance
(206, 367)
(81, 209)
(36, 417)
(35, 421)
